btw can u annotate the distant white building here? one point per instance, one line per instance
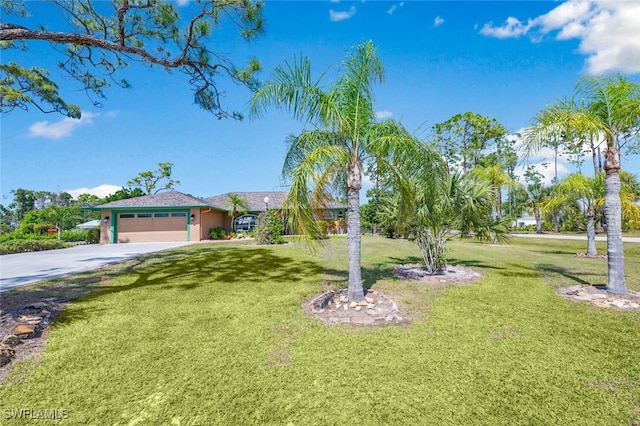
(524, 221)
(89, 225)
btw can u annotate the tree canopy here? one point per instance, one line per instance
(98, 39)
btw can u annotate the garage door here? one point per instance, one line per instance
(150, 227)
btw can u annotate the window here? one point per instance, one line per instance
(340, 214)
(245, 223)
(179, 214)
(144, 215)
(161, 215)
(126, 216)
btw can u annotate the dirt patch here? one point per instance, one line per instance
(25, 320)
(453, 274)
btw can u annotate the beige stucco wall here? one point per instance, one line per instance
(210, 219)
(105, 228)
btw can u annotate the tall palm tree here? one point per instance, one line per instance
(608, 109)
(345, 136)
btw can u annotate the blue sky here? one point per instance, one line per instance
(504, 59)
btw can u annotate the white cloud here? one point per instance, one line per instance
(334, 1)
(340, 16)
(101, 190)
(60, 129)
(607, 30)
(392, 9)
(438, 21)
(382, 115)
(512, 27)
(182, 2)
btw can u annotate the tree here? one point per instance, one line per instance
(535, 194)
(606, 109)
(464, 138)
(590, 191)
(447, 201)
(149, 180)
(345, 136)
(237, 204)
(101, 38)
(123, 194)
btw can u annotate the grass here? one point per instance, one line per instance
(214, 334)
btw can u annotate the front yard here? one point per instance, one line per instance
(214, 334)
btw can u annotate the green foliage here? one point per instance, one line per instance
(217, 233)
(74, 236)
(93, 236)
(97, 41)
(123, 194)
(21, 246)
(323, 227)
(465, 138)
(21, 87)
(269, 228)
(149, 180)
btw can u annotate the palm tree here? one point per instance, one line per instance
(447, 201)
(344, 138)
(237, 204)
(609, 110)
(590, 191)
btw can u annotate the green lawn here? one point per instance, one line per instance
(214, 334)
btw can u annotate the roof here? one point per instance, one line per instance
(217, 202)
(256, 200)
(89, 225)
(162, 199)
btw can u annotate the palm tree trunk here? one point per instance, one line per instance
(537, 215)
(354, 184)
(591, 233)
(613, 213)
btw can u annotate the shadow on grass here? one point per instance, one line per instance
(555, 269)
(470, 263)
(184, 269)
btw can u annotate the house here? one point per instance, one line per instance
(88, 225)
(174, 216)
(525, 221)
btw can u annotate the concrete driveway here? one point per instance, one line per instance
(26, 268)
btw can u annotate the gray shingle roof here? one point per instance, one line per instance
(218, 202)
(256, 200)
(162, 199)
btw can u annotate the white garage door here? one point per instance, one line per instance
(150, 227)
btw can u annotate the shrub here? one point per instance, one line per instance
(22, 246)
(323, 227)
(217, 233)
(93, 236)
(269, 228)
(73, 236)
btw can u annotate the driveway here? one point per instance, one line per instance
(574, 237)
(26, 268)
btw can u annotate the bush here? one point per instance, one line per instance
(217, 233)
(73, 236)
(93, 236)
(23, 246)
(323, 227)
(269, 228)
(19, 235)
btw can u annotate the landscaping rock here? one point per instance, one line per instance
(6, 354)
(10, 340)
(24, 331)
